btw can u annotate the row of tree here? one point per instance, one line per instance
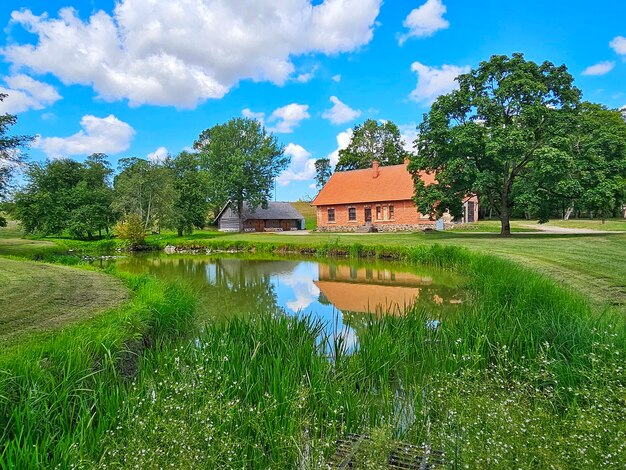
(236, 161)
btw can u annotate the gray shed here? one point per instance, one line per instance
(277, 217)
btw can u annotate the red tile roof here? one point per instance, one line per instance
(393, 183)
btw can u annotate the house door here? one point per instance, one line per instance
(285, 225)
(259, 225)
(470, 212)
(368, 215)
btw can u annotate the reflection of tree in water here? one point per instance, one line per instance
(225, 287)
(239, 290)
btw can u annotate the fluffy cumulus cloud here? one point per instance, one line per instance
(182, 52)
(159, 155)
(301, 168)
(433, 81)
(98, 135)
(425, 20)
(601, 68)
(618, 44)
(343, 140)
(340, 112)
(282, 120)
(26, 93)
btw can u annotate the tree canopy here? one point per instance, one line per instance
(508, 121)
(191, 186)
(10, 152)
(66, 195)
(147, 189)
(373, 140)
(323, 171)
(242, 161)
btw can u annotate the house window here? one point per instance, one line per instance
(352, 213)
(391, 213)
(331, 215)
(379, 213)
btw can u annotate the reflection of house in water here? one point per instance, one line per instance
(362, 289)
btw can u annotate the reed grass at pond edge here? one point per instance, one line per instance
(527, 375)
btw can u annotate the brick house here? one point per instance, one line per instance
(378, 198)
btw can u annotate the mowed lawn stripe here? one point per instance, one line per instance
(36, 297)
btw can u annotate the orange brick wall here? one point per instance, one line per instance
(405, 213)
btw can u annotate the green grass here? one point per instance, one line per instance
(36, 297)
(308, 212)
(526, 375)
(590, 224)
(61, 392)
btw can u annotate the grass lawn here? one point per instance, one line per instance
(308, 212)
(36, 297)
(592, 224)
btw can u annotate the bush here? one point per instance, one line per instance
(131, 230)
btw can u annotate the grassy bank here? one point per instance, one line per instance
(525, 376)
(60, 393)
(38, 297)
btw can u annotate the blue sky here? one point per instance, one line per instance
(142, 77)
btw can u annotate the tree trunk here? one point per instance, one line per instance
(505, 218)
(568, 212)
(240, 214)
(180, 231)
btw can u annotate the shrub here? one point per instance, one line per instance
(131, 230)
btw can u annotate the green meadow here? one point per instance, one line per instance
(528, 374)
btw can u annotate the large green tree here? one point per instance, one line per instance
(191, 204)
(373, 140)
(147, 189)
(323, 171)
(509, 119)
(11, 156)
(242, 161)
(66, 196)
(599, 145)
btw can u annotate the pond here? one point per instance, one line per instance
(341, 293)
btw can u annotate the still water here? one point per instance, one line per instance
(340, 293)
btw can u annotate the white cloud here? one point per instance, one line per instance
(26, 93)
(182, 52)
(343, 140)
(618, 44)
(252, 115)
(340, 112)
(425, 20)
(105, 135)
(408, 132)
(336, 78)
(600, 68)
(301, 168)
(284, 119)
(433, 81)
(159, 155)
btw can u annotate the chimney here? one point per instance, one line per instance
(375, 168)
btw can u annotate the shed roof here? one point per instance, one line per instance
(393, 183)
(274, 211)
